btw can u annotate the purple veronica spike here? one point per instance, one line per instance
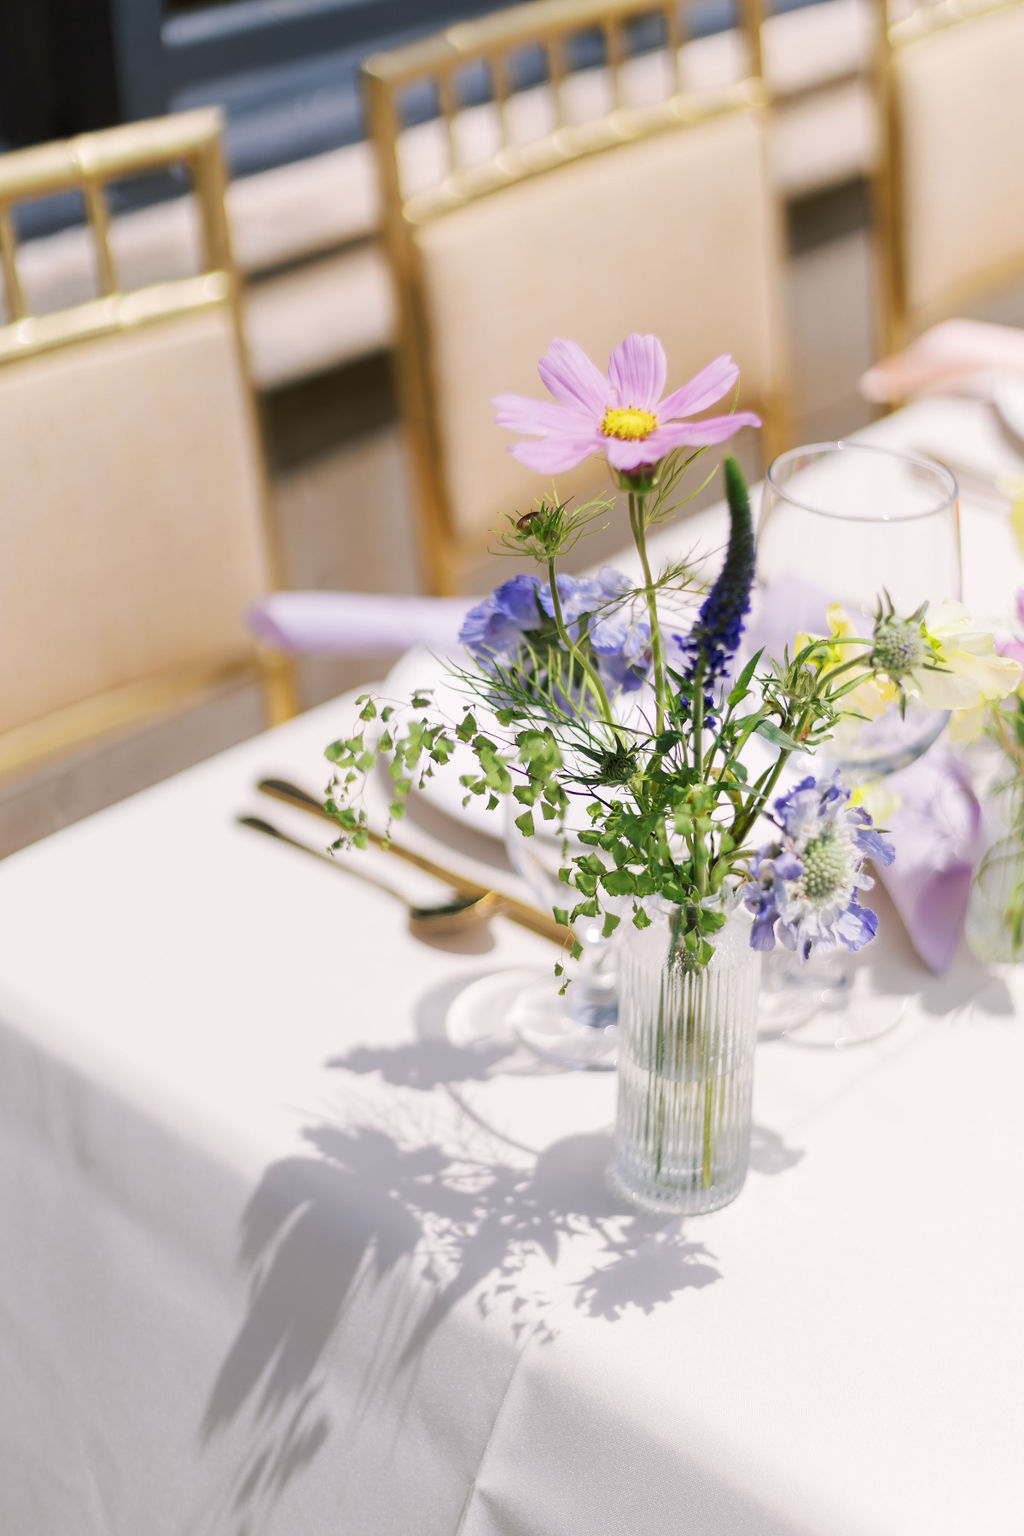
(713, 641)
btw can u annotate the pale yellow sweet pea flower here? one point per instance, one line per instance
(972, 670)
(878, 798)
(874, 694)
(1015, 490)
(967, 725)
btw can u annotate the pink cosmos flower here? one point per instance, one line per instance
(622, 416)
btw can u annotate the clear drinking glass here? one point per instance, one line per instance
(846, 522)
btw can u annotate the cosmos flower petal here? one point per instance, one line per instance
(568, 373)
(701, 434)
(703, 390)
(637, 372)
(541, 417)
(553, 456)
(630, 453)
(583, 395)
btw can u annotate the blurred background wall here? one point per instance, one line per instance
(319, 309)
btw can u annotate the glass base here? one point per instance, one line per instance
(818, 1005)
(524, 1006)
(681, 1194)
(587, 1039)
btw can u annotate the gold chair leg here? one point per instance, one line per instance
(280, 690)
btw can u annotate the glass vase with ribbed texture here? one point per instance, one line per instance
(686, 1066)
(994, 925)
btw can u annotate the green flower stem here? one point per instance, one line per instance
(760, 800)
(698, 842)
(742, 827)
(574, 651)
(638, 528)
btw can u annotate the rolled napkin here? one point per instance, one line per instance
(958, 356)
(937, 834)
(352, 623)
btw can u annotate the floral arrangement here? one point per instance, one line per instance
(589, 699)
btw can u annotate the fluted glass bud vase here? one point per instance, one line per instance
(995, 913)
(686, 1066)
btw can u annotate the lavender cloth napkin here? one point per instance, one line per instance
(355, 623)
(937, 835)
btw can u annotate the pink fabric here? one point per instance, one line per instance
(355, 623)
(945, 359)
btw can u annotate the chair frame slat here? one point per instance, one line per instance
(87, 164)
(898, 319)
(549, 24)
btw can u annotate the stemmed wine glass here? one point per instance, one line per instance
(844, 522)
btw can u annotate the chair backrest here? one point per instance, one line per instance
(602, 201)
(133, 498)
(951, 177)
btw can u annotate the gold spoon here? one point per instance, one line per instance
(448, 918)
(516, 911)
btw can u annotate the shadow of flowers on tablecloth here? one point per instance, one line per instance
(404, 1206)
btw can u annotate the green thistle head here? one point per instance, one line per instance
(900, 645)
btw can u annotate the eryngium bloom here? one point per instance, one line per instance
(804, 887)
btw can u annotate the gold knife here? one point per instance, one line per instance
(542, 923)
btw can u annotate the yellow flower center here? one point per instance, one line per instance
(628, 423)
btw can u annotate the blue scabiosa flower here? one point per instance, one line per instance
(804, 887)
(620, 634)
(494, 629)
(514, 627)
(578, 596)
(714, 639)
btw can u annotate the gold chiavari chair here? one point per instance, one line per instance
(652, 214)
(133, 499)
(950, 185)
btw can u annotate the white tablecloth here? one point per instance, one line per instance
(282, 1256)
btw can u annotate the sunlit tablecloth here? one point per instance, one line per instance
(281, 1253)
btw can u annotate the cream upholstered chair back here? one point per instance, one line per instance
(570, 208)
(951, 181)
(133, 507)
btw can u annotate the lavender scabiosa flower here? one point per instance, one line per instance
(713, 641)
(804, 886)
